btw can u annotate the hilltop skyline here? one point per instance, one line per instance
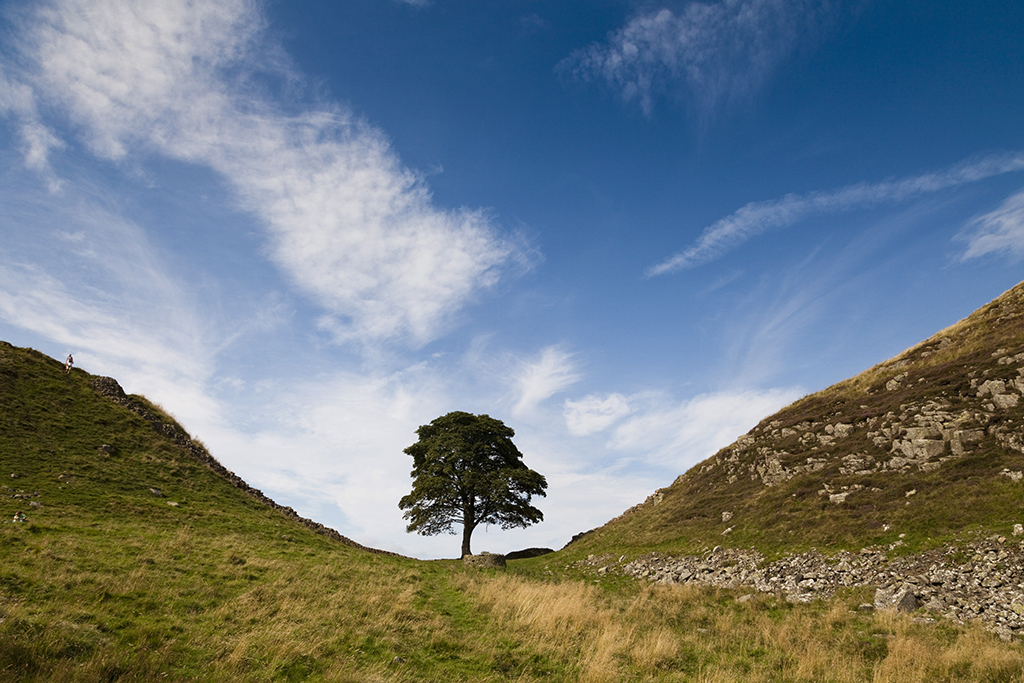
(629, 230)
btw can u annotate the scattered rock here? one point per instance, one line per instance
(156, 492)
(1005, 401)
(992, 387)
(982, 579)
(905, 600)
(895, 382)
(841, 431)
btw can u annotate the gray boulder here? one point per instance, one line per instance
(484, 560)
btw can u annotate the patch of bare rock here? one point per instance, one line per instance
(981, 579)
(920, 436)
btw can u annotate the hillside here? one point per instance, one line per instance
(923, 451)
(141, 553)
(142, 559)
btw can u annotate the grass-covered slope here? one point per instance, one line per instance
(109, 581)
(139, 560)
(921, 448)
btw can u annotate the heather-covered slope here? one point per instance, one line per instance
(916, 449)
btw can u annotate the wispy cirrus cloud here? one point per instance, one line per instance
(684, 433)
(549, 373)
(77, 273)
(349, 224)
(718, 51)
(1000, 231)
(593, 413)
(87, 281)
(758, 217)
(36, 139)
(665, 432)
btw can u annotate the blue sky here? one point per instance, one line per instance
(630, 230)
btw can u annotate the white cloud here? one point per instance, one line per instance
(90, 280)
(348, 224)
(335, 443)
(720, 51)
(1001, 230)
(593, 414)
(16, 99)
(33, 300)
(683, 434)
(550, 373)
(758, 217)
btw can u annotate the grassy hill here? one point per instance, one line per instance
(143, 560)
(920, 449)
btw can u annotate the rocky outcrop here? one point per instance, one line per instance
(935, 425)
(980, 579)
(109, 387)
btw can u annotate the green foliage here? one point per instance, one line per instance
(467, 471)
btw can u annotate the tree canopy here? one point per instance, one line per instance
(467, 471)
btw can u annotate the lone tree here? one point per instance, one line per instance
(467, 471)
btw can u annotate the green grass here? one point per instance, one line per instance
(108, 582)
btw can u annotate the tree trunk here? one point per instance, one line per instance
(467, 531)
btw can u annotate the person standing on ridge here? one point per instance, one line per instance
(68, 363)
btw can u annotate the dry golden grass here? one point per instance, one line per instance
(693, 634)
